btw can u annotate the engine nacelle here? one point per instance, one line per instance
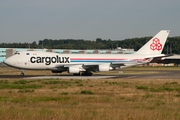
(75, 69)
(104, 68)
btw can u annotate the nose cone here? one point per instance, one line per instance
(8, 62)
(5, 61)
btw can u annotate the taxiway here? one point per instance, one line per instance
(156, 74)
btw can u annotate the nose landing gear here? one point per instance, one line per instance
(22, 73)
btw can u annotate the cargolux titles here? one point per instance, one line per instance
(49, 60)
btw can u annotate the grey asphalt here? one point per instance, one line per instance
(161, 74)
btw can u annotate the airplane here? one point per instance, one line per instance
(85, 64)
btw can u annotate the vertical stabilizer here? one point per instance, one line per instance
(155, 45)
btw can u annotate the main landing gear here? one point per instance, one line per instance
(22, 73)
(87, 74)
(77, 74)
(83, 74)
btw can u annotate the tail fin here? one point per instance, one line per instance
(155, 45)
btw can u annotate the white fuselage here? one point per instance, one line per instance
(37, 60)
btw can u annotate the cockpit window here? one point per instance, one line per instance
(17, 53)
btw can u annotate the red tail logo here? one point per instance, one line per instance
(156, 45)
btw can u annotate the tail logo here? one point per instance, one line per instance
(156, 45)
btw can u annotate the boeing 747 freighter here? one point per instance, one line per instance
(85, 64)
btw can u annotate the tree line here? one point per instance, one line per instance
(172, 44)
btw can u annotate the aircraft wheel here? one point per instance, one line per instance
(22, 74)
(82, 74)
(87, 74)
(91, 74)
(75, 74)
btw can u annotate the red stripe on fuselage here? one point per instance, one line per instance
(107, 59)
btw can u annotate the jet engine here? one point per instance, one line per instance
(75, 69)
(104, 68)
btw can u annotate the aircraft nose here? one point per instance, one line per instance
(7, 61)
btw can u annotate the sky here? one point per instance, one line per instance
(34, 20)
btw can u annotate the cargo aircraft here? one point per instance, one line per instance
(85, 64)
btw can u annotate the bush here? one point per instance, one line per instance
(147, 96)
(168, 89)
(64, 93)
(26, 90)
(49, 98)
(21, 82)
(113, 83)
(4, 82)
(75, 103)
(87, 92)
(142, 87)
(156, 90)
(57, 82)
(178, 89)
(177, 95)
(78, 81)
(172, 83)
(20, 91)
(19, 99)
(4, 86)
(80, 85)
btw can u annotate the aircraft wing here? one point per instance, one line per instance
(83, 65)
(68, 65)
(94, 66)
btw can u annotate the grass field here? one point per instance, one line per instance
(94, 99)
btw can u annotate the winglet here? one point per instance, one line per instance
(155, 45)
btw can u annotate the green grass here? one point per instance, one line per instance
(56, 82)
(12, 86)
